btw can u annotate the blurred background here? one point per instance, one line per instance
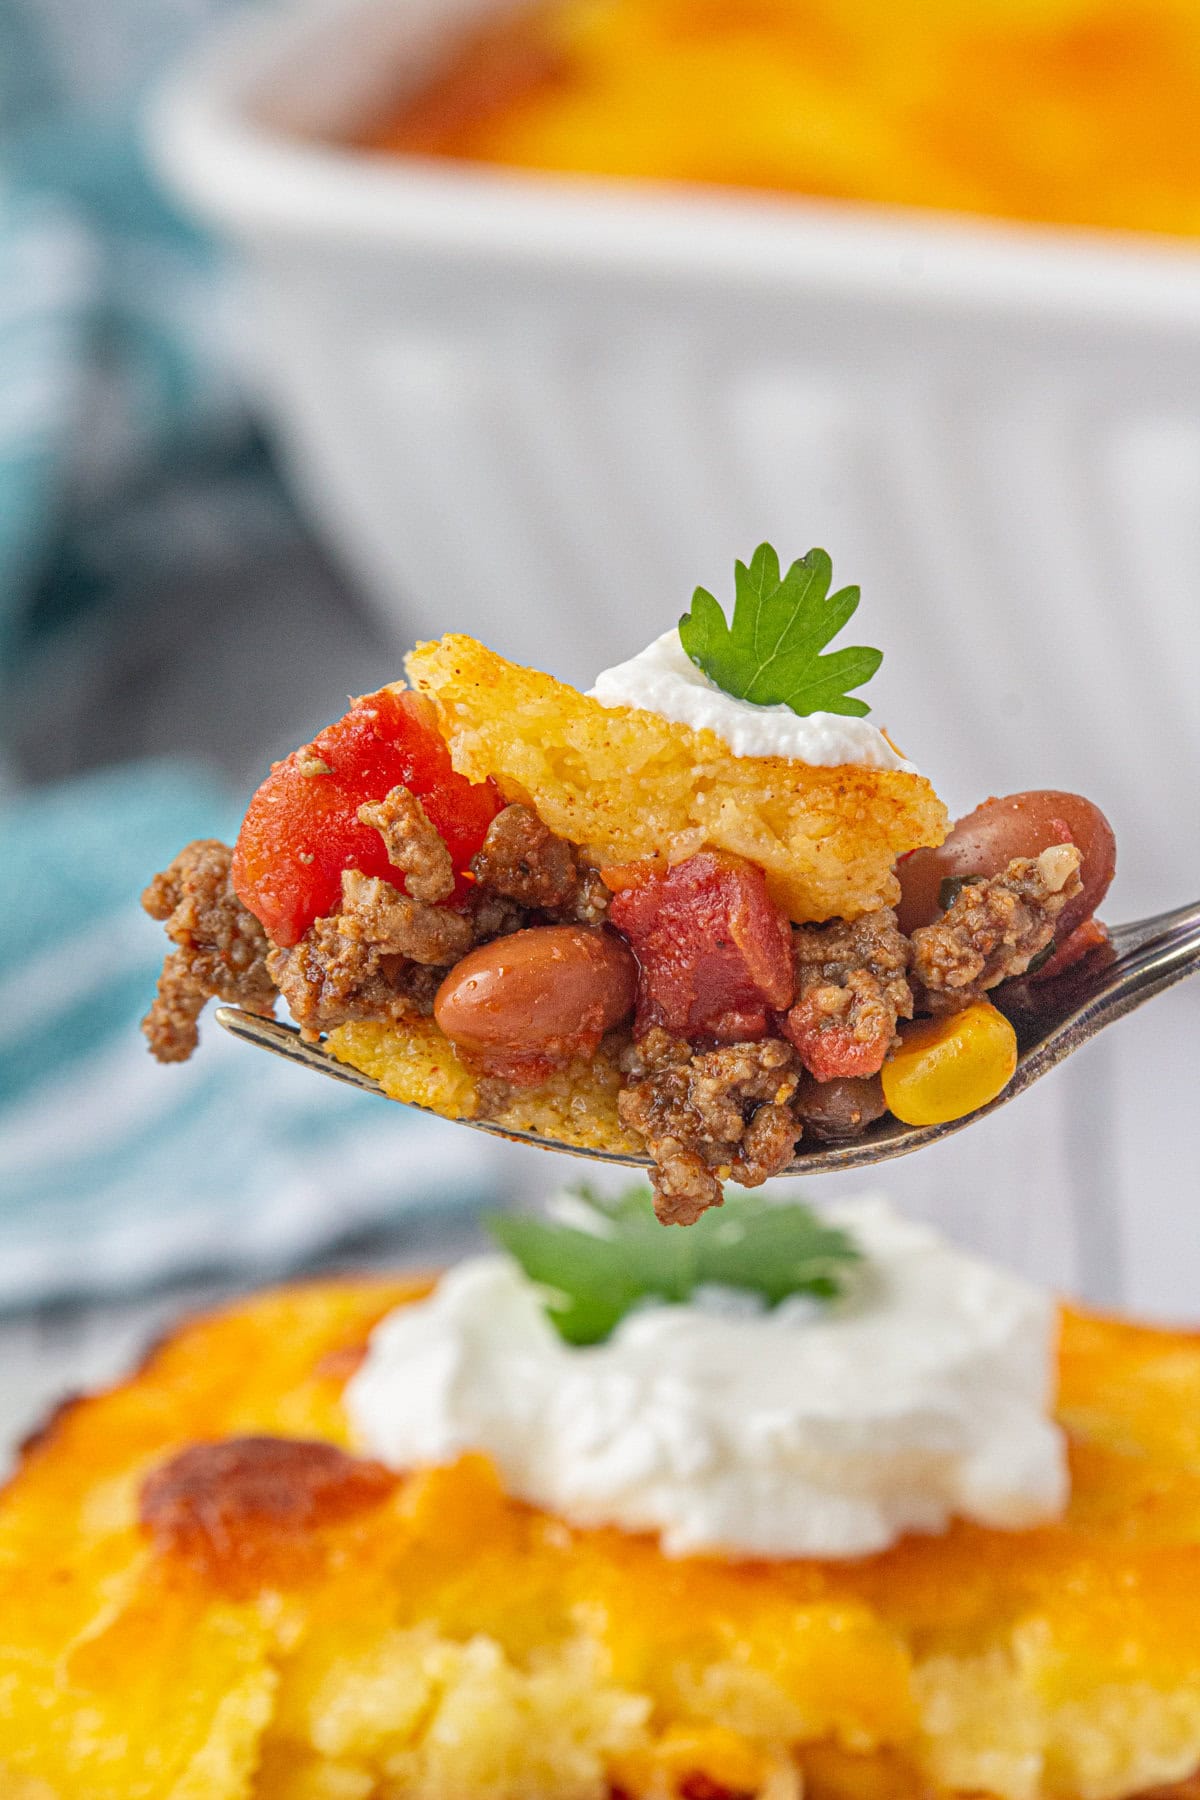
(326, 324)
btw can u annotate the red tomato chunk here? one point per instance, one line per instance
(833, 1050)
(714, 951)
(301, 829)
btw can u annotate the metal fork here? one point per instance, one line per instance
(1052, 1019)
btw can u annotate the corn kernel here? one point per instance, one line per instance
(946, 1068)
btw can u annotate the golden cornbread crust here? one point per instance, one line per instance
(623, 784)
(415, 1062)
(340, 1634)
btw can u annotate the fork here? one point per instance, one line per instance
(1052, 1019)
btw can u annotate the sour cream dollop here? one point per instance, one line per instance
(806, 1431)
(663, 679)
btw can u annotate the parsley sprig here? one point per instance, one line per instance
(771, 653)
(596, 1257)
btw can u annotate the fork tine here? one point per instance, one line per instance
(883, 1141)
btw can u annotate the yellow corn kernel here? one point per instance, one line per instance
(946, 1068)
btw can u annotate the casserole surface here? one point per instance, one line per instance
(334, 1631)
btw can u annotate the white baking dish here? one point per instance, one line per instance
(541, 410)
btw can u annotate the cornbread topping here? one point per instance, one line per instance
(802, 1431)
(663, 679)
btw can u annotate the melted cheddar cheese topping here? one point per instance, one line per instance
(1077, 112)
(278, 1623)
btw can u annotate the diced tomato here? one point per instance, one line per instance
(714, 951)
(834, 1048)
(301, 828)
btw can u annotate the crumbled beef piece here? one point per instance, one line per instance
(590, 902)
(526, 875)
(221, 948)
(375, 913)
(993, 929)
(329, 979)
(413, 845)
(655, 1053)
(382, 957)
(493, 916)
(709, 1117)
(523, 860)
(851, 987)
(768, 1143)
(840, 1108)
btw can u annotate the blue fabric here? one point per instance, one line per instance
(115, 1172)
(108, 312)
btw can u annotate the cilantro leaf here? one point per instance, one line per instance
(771, 652)
(597, 1257)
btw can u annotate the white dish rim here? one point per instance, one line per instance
(262, 182)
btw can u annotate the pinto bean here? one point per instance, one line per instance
(987, 840)
(840, 1108)
(523, 1003)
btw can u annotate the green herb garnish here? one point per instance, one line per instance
(597, 1257)
(771, 653)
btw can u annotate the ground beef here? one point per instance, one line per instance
(493, 916)
(709, 1117)
(851, 987)
(329, 979)
(384, 956)
(993, 929)
(385, 953)
(375, 913)
(523, 860)
(414, 846)
(590, 902)
(221, 948)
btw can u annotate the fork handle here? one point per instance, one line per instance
(1152, 955)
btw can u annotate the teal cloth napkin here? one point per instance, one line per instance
(116, 384)
(112, 351)
(116, 1172)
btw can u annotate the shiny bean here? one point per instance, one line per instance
(839, 1108)
(528, 1001)
(987, 840)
